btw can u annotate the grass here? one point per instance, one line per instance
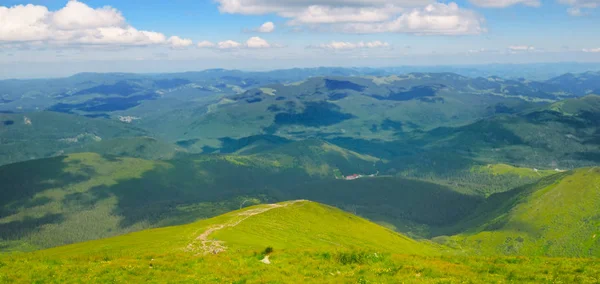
(310, 225)
(558, 217)
(363, 253)
(504, 169)
(50, 134)
(85, 196)
(69, 196)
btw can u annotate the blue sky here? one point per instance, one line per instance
(57, 38)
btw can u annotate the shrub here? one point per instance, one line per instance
(268, 251)
(357, 257)
(325, 255)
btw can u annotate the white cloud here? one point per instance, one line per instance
(267, 27)
(434, 19)
(287, 7)
(402, 16)
(256, 42)
(76, 15)
(228, 44)
(581, 3)
(481, 50)
(76, 23)
(593, 50)
(505, 3)
(342, 45)
(206, 44)
(578, 5)
(332, 15)
(177, 42)
(521, 48)
(251, 43)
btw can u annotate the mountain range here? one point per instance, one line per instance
(326, 175)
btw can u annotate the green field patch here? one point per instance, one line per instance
(504, 169)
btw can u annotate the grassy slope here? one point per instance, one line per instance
(312, 225)
(589, 103)
(321, 157)
(85, 196)
(311, 243)
(564, 135)
(504, 169)
(557, 217)
(54, 201)
(44, 134)
(139, 147)
(254, 112)
(294, 225)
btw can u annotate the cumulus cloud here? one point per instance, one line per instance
(505, 3)
(332, 15)
(206, 44)
(228, 44)
(76, 23)
(256, 42)
(287, 7)
(251, 43)
(434, 19)
(521, 48)
(267, 27)
(403, 16)
(344, 45)
(76, 15)
(177, 42)
(592, 50)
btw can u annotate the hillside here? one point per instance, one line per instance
(315, 154)
(300, 240)
(580, 84)
(562, 135)
(49, 202)
(556, 217)
(360, 106)
(203, 111)
(143, 147)
(140, 178)
(37, 135)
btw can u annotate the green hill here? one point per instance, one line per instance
(361, 107)
(62, 200)
(562, 135)
(559, 216)
(322, 157)
(37, 135)
(137, 147)
(294, 241)
(50, 202)
(577, 107)
(305, 225)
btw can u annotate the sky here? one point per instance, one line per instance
(53, 38)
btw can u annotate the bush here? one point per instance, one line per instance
(357, 257)
(268, 251)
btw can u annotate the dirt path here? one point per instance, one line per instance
(212, 246)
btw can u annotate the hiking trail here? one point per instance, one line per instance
(213, 246)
